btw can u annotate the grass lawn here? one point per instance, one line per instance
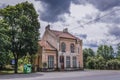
(10, 70)
(6, 71)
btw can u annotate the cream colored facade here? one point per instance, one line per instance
(78, 53)
(50, 45)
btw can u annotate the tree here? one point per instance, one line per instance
(100, 62)
(105, 51)
(113, 64)
(91, 62)
(23, 22)
(118, 50)
(87, 53)
(4, 43)
(111, 52)
(96, 62)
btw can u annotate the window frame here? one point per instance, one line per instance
(63, 47)
(50, 61)
(68, 64)
(72, 48)
(74, 61)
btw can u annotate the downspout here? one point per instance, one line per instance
(57, 60)
(57, 56)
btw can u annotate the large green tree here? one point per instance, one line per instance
(23, 22)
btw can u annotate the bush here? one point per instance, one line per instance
(113, 64)
(96, 62)
(90, 63)
(100, 62)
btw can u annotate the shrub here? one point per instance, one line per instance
(113, 64)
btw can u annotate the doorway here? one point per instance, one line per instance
(62, 62)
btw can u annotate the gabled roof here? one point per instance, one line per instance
(57, 34)
(46, 45)
(63, 34)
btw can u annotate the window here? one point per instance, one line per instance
(74, 62)
(67, 62)
(63, 47)
(50, 61)
(72, 48)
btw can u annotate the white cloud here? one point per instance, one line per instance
(97, 32)
(80, 11)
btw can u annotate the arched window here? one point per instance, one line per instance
(63, 47)
(72, 48)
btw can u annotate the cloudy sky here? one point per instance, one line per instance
(95, 21)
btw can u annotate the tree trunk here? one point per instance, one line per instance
(33, 66)
(16, 66)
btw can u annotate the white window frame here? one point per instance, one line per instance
(74, 61)
(67, 61)
(50, 61)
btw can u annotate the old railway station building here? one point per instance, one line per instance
(59, 50)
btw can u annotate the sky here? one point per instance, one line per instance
(96, 22)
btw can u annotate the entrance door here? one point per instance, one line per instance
(62, 62)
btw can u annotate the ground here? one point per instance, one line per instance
(76, 75)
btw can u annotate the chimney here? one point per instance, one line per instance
(65, 30)
(47, 27)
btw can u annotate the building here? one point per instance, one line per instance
(59, 49)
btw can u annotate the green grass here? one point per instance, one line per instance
(6, 72)
(10, 70)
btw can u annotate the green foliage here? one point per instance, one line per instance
(24, 60)
(100, 63)
(90, 63)
(3, 59)
(24, 29)
(4, 43)
(87, 53)
(4, 36)
(105, 51)
(118, 49)
(102, 60)
(95, 62)
(113, 64)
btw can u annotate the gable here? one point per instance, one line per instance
(46, 45)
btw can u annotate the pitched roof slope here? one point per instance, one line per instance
(63, 34)
(46, 45)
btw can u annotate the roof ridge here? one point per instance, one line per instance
(56, 31)
(60, 33)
